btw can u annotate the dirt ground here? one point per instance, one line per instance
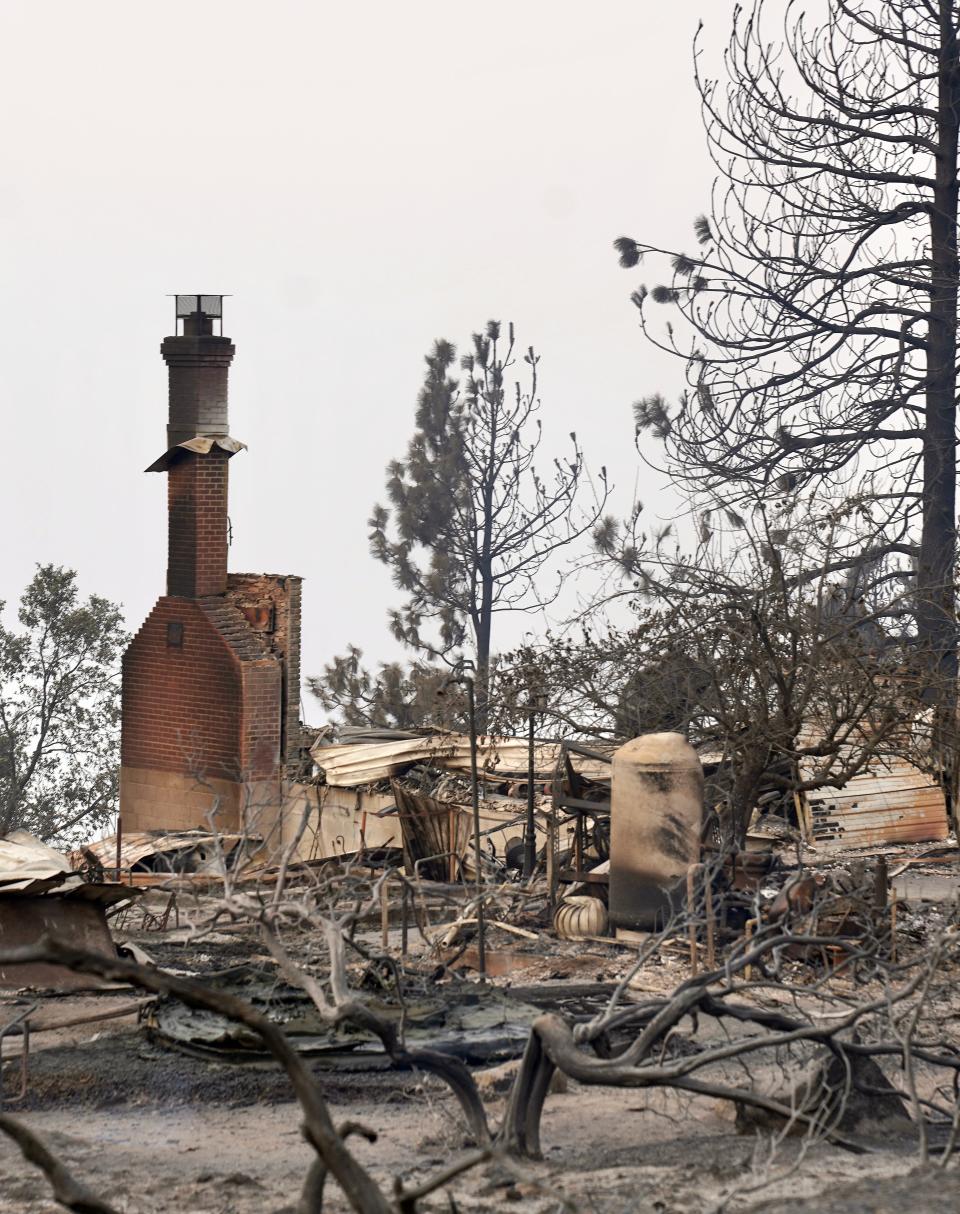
(154, 1129)
(229, 1144)
(237, 1158)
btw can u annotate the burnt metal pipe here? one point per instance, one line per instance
(537, 703)
(475, 798)
(530, 835)
(467, 681)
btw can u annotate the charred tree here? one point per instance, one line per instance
(820, 309)
(470, 524)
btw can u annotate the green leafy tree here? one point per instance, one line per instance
(471, 525)
(59, 710)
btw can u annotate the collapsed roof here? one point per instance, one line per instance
(351, 764)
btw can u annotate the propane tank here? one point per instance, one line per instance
(656, 811)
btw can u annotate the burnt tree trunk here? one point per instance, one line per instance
(936, 607)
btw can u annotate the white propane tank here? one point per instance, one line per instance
(656, 813)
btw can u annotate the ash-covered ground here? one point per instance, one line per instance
(152, 1127)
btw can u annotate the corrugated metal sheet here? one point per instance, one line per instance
(26, 864)
(502, 820)
(352, 764)
(160, 851)
(202, 444)
(435, 833)
(892, 802)
(29, 868)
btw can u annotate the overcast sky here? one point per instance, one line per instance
(362, 178)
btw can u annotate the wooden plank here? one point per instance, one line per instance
(878, 814)
(586, 752)
(893, 801)
(846, 840)
(875, 788)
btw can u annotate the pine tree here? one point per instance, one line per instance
(470, 525)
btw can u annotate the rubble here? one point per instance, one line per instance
(28, 866)
(352, 764)
(390, 788)
(420, 949)
(487, 1025)
(436, 834)
(857, 1099)
(41, 895)
(479, 1024)
(167, 852)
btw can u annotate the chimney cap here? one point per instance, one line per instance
(208, 305)
(204, 307)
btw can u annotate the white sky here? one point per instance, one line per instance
(363, 178)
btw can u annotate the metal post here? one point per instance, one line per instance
(384, 915)
(551, 860)
(748, 936)
(691, 908)
(530, 837)
(475, 798)
(708, 907)
(893, 926)
(119, 844)
(20, 1024)
(880, 884)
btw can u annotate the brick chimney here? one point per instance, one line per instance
(197, 525)
(198, 364)
(211, 681)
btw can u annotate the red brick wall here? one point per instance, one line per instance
(271, 604)
(197, 537)
(210, 703)
(181, 705)
(260, 722)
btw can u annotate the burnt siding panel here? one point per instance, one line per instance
(894, 802)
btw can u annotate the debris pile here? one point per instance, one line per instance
(141, 854)
(479, 1024)
(42, 895)
(421, 781)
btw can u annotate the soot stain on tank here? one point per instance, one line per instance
(672, 838)
(662, 781)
